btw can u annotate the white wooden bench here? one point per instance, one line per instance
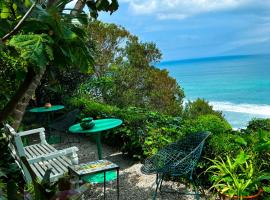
(40, 156)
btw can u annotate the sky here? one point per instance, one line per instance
(184, 29)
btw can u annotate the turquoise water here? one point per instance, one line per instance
(237, 85)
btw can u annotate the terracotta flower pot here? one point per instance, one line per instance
(251, 197)
(48, 105)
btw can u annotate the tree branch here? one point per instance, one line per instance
(78, 7)
(18, 26)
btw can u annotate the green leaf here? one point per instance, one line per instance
(114, 6)
(265, 176)
(102, 4)
(241, 158)
(5, 12)
(240, 140)
(4, 27)
(34, 48)
(14, 6)
(68, 34)
(33, 25)
(262, 147)
(266, 189)
(2, 174)
(27, 3)
(83, 19)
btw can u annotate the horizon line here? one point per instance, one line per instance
(211, 57)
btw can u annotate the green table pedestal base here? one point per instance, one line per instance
(98, 142)
(99, 177)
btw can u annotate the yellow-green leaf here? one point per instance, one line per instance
(5, 13)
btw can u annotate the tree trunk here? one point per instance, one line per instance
(51, 2)
(17, 105)
(78, 7)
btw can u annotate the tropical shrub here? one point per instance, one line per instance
(142, 133)
(194, 109)
(255, 144)
(153, 89)
(58, 84)
(259, 124)
(10, 176)
(12, 72)
(223, 144)
(236, 177)
(124, 75)
(211, 123)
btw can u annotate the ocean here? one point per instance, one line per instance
(239, 86)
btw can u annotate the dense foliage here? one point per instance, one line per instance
(259, 124)
(43, 34)
(35, 35)
(124, 75)
(123, 83)
(199, 107)
(12, 71)
(237, 177)
(143, 131)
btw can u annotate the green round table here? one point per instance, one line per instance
(100, 125)
(43, 109)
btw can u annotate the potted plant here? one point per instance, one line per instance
(87, 123)
(237, 178)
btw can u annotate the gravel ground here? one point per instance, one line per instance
(133, 184)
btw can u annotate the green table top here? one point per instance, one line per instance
(43, 109)
(100, 125)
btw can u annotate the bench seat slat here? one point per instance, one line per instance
(59, 165)
(40, 166)
(36, 148)
(62, 159)
(57, 168)
(34, 166)
(40, 156)
(61, 168)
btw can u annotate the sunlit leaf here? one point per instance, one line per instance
(5, 12)
(34, 48)
(241, 140)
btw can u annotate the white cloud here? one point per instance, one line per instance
(180, 9)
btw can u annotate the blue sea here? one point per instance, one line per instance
(239, 86)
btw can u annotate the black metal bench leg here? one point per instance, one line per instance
(118, 184)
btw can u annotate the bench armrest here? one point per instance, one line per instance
(33, 131)
(70, 152)
(40, 131)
